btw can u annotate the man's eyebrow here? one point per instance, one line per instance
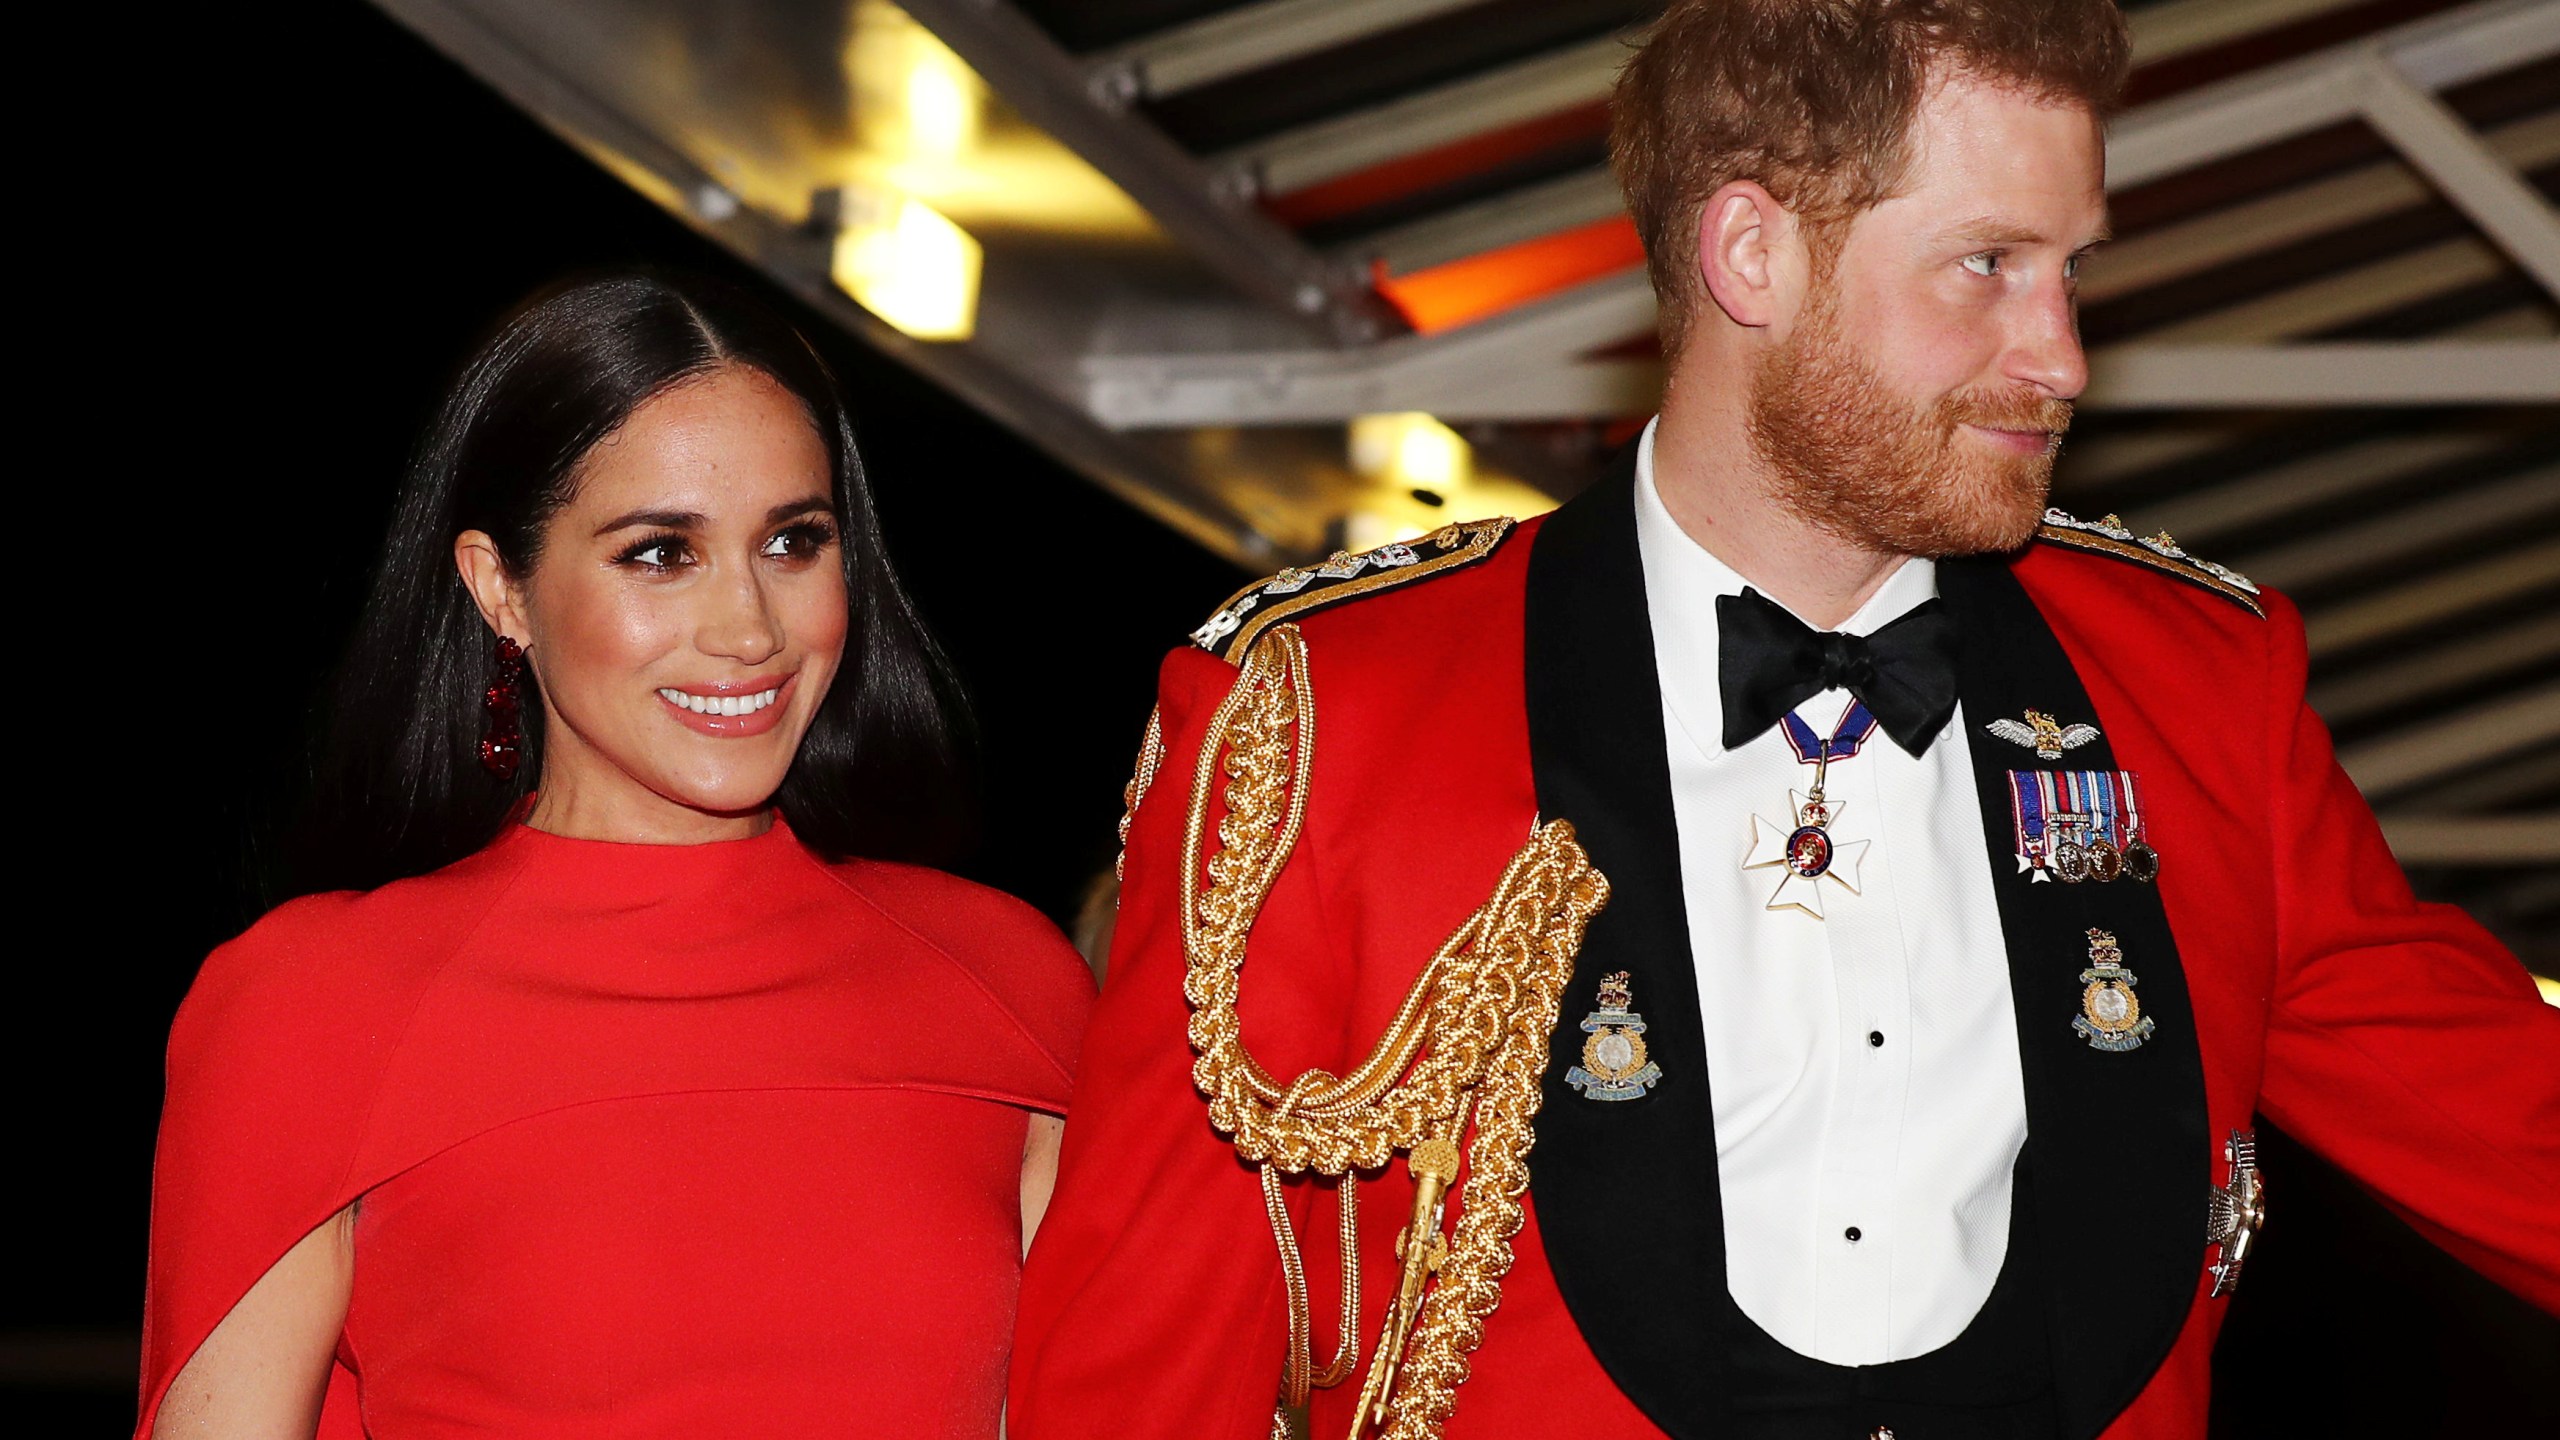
(1988, 230)
(655, 519)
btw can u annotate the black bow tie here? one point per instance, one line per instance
(1769, 662)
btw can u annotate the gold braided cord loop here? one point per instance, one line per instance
(1470, 1037)
(1150, 759)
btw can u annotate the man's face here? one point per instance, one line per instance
(1917, 400)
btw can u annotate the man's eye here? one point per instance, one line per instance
(1985, 264)
(2071, 267)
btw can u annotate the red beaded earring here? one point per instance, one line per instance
(503, 747)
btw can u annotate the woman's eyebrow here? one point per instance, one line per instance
(789, 508)
(655, 519)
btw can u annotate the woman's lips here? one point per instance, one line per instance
(729, 709)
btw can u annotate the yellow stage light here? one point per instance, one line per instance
(906, 264)
(1411, 449)
(913, 98)
(2550, 988)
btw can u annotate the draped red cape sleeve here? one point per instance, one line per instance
(656, 1114)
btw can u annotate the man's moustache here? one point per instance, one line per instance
(2010, 412)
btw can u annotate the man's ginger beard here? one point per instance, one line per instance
(1882, 473)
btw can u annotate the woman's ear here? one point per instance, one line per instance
(484, 574)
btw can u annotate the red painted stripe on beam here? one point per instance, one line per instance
(1407, 175)
(1446, 296)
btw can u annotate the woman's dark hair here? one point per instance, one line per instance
(398, 788)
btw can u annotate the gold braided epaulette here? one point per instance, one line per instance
(1296, 592)
(2110, 536)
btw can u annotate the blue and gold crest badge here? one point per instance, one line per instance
(1614, 1063)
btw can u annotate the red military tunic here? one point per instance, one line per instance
(2303, 982)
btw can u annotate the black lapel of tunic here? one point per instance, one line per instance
(2121, 1159)
(1626, 1190)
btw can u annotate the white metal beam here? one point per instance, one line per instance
(2204, 516)
(2316, 376)
(2282, 101)
(1544, 85)
(1254, 37)
(2156, 257)
(1201, 209)
(2473, 177)
(2450, 515)
(2473, 840)
(1523, 365)
(2487, 787)
(2343, 298)
(2433, 598)
(2151, 258)
(2358, 693)
(1503, 375)
(1582, 74)
(2180, 27)
(1507, 219)
(636, 153)
(2476, 736)
(1484, 371)
(1591, 195)
(2089, 461)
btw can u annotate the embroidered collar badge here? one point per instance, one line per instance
(2110, 1016)
(1614, 1064)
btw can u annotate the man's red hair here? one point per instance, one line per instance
(1814, 99)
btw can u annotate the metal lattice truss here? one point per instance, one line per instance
(2325, 347)
(1534, 363)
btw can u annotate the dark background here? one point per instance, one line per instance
(271, 241)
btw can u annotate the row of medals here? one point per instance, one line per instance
(2100, 859)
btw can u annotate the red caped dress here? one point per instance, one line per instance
(644, 1140)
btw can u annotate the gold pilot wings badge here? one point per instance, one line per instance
(2043, 734)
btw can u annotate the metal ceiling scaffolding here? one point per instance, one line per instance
(2327, 342)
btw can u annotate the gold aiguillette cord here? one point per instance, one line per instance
(1470, 1038)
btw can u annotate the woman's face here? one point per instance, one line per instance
(685, 617)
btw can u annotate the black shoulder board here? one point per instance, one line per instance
(2110, 537)
(1294, 592)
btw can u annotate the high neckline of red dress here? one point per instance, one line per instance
(624, 862)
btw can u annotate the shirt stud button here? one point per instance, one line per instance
(1875, 1038)
(1854, 1234)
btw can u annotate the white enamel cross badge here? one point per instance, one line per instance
(1805, 854)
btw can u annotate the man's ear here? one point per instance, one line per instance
(484, 574)
(1745, 239)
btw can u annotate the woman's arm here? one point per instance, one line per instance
(261, 1373)
(1039, 1172)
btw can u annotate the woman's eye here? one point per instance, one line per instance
(663, 553)
(800, 542)
(2071, 267)
(1985, 264)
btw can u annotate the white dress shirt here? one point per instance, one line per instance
(1864, 1065)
